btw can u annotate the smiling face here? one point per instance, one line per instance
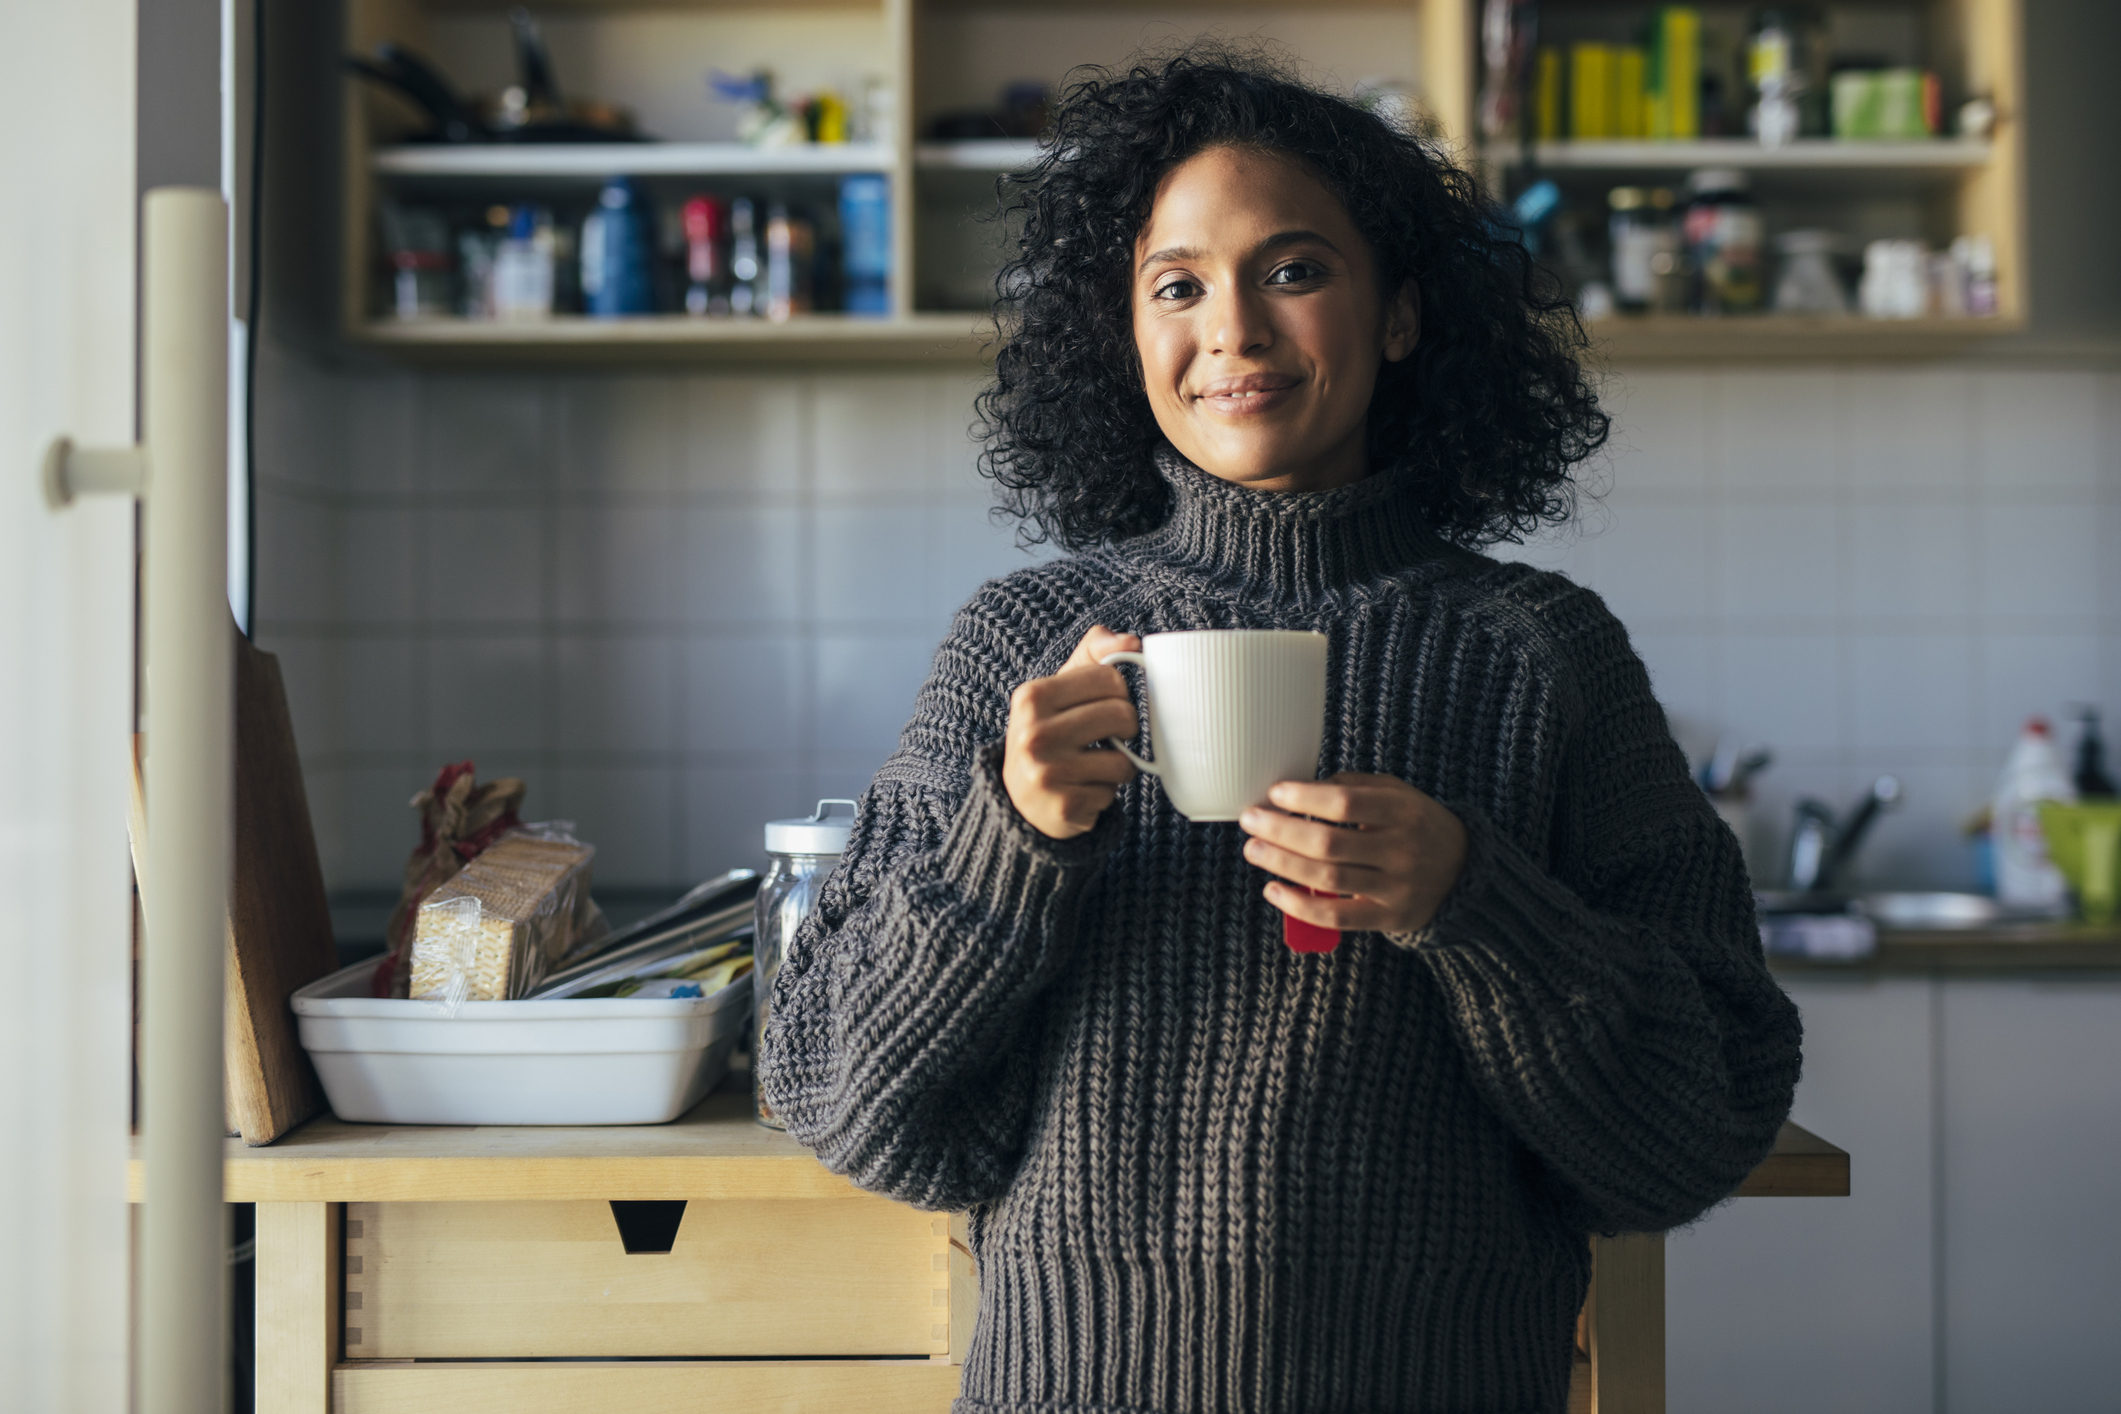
(1259, 322)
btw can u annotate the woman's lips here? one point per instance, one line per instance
(1249, 394)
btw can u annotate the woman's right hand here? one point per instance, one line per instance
(1054, 779)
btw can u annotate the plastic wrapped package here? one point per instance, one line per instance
(517, 912)
(459, 819)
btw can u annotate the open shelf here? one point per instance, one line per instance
(1808, 154)
(942, 56)
(575, 339)
(1001, 154)
(594, 161)
(1777, 337)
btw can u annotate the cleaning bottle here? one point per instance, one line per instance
(2025, 876)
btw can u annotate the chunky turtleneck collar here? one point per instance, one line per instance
(1287, 546)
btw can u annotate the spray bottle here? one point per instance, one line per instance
(2025, 876)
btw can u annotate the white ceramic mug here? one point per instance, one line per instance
(1231, 711)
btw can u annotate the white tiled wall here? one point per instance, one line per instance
(676, 605)
(1870, 569)
(682, 604)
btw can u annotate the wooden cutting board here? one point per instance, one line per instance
(279, 924)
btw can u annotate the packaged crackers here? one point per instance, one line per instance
(513, 914)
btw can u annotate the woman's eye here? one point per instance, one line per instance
(1295, 272)
(1176, 289)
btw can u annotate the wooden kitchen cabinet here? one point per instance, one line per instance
(940, 55)
(461, 1270)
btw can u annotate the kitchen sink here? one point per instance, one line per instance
(1924, 912)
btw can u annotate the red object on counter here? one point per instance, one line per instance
(459, 818)
(1308, 937)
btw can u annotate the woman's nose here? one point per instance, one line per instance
(1237, 322)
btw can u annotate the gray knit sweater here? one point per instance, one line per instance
(1210, 1174)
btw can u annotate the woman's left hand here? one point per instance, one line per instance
(1396, 866)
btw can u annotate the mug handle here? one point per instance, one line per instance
(1114, 742)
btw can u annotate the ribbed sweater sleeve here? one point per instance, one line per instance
(1612, 1002)
(900, 1041)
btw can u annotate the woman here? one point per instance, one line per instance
(1269, 365)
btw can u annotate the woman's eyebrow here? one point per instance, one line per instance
(1286, 238)
(1273, 242)
(1170, 252)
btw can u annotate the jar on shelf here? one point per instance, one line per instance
(1723, 239)
(1809, 283)
(803, 852)
(1645, 237)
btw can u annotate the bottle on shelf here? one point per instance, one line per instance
(615, 261)
(791, 249)
(706, 222)
(1975, 257)
(523, 265)
(865, 233)
(747, 266)
(1672, 74)
(2090, 777)
(1723, 240)
(2025, 876)
(1645, 241)
(421, 267)
(1786, 69)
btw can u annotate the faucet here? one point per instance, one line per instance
(1819, 851)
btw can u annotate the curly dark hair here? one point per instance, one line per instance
(1487, 416)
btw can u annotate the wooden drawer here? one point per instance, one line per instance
(647, 1387)
(450, 1281)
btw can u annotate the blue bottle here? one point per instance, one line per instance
(615, 268)
(865, 224)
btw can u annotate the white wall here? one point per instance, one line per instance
(681, 604)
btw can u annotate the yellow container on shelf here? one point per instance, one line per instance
(2084, 840)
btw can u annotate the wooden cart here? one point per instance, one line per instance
(705, 1264)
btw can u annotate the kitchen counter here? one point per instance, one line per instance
(440, 1270)
(2027, 947)
(715, 1151)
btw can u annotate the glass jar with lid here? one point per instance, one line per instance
(1809, 283)
(803, 852)
(1645, 239)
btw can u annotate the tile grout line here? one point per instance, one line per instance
(1940, 1394)
(807, 723)
(562, 409)
(1977, 629)
(421, 396)
(1718, 609)
(1844, 585)
(677, 650)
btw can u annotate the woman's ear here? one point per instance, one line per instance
(1402, 322)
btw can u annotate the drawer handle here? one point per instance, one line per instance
(648, 1227)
